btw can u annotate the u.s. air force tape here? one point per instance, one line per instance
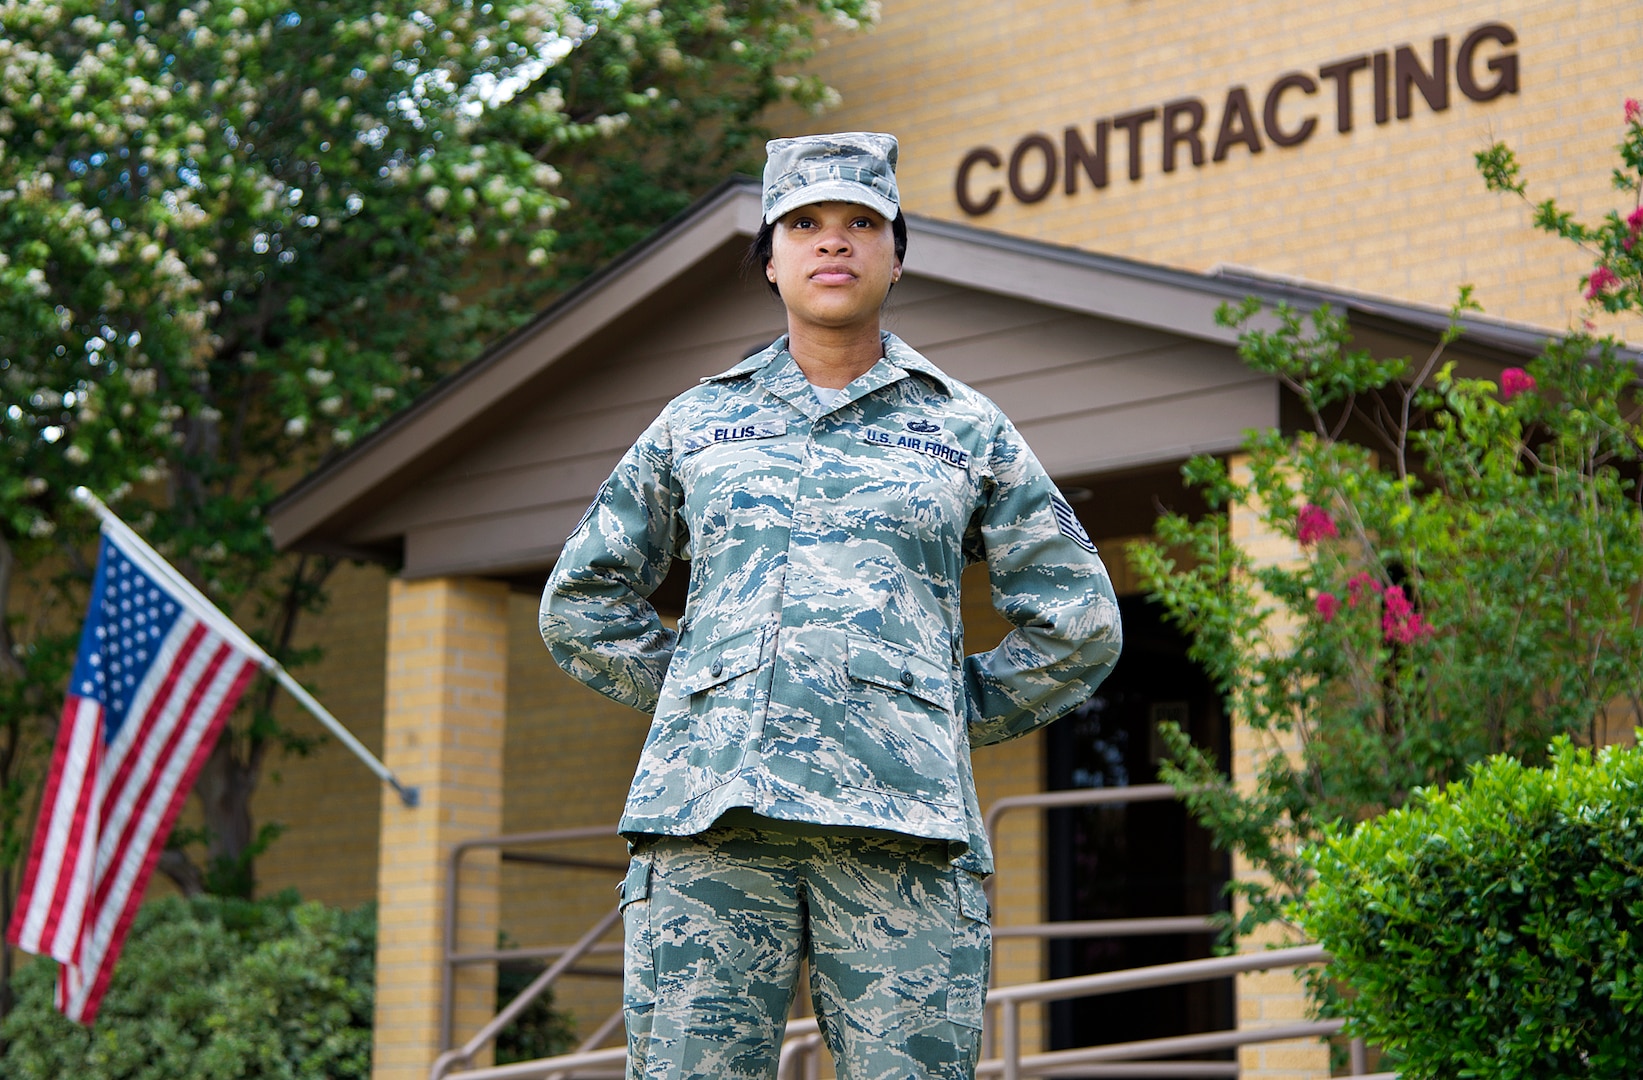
(919, 444)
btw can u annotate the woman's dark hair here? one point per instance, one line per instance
(764, 242)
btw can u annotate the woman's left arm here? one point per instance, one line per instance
(1048, 581)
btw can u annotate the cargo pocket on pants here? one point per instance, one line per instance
(638, 962)
(972, 952)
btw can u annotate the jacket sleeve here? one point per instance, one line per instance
(596, 617)
(1048, 581)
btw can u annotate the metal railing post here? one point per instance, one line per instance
(453, 868)
(1010, 1017)
(443, 1063)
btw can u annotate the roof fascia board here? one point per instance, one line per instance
(1176, 302)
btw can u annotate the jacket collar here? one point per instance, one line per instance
(775, 369)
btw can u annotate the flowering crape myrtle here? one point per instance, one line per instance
(1468, 569)
(235, 236)
(1615, 282)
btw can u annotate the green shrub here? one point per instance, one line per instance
(208, 989)
(1493, 929)
(538, 1032)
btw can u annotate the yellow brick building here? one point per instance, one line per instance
(1088, 181)
(1392, 206)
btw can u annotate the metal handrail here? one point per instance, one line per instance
(450, 959)
(802, 1038)
(484, 1035)
(1011, 998)
(1115, 1059)
(1050, 800)
(1078, 797)
(1172, 924)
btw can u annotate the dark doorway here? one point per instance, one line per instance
(1134, 860)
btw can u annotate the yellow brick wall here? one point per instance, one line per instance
(1395, 209)
(1267, 998)
(571, 754)
(328, 801)
(1012, 768)
(444, 721)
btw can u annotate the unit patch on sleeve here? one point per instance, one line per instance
(1068, 522)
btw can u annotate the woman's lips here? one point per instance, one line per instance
(832, 275)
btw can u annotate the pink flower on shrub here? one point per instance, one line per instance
(1313, 523)
(1328, 605)
(1400, 622)
(1515, 381)
(1356, 587)
(1633, 110)
(1634, 221)
(1601, 279)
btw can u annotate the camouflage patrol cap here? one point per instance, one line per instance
(847, 166)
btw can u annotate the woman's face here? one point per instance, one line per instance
(834, 264)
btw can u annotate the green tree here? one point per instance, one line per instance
(1471, 572)
(234, 236)
(715, 70)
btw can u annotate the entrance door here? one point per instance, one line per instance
(1134, 860)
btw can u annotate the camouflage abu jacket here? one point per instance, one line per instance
(818, 673)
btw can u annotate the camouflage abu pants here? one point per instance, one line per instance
(896, 938)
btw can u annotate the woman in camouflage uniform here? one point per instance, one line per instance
(805, 790)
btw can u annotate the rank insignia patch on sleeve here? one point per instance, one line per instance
(1068, 522)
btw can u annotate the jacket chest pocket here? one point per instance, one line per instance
(708, 701)
(718, 662)
(722, 453)
(737, 481)
(883, 667)
(897, 726)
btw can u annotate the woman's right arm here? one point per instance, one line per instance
(596, 617)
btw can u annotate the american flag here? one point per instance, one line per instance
(158, 672)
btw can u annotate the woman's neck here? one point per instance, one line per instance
(834, 358)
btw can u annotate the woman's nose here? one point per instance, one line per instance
(833, 242)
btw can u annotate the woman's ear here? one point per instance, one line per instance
(895, 272)
(770, 271)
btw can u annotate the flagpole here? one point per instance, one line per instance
(205, 610)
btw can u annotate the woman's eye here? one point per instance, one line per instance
(862, 223)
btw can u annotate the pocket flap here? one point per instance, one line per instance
(896, 668)
(636, 886)
(972, 897)
(720, 661)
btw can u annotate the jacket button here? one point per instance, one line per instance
(906, 677)
(718, 668)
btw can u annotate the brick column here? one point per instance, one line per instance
(442, 731)
(1267, 998)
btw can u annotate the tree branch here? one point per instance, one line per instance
(10, 666)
